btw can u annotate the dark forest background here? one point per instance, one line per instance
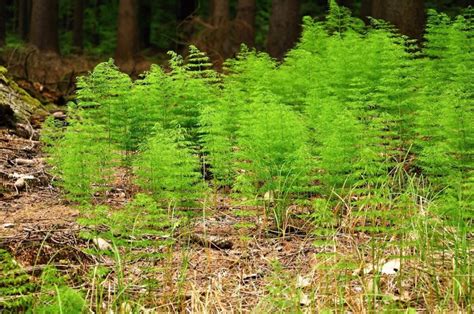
(133, 30)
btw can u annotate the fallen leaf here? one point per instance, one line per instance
(391, 267)
(102, 244)
(304, 300)
(302, 282)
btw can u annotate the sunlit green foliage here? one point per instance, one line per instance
(142, 220)
(168, 168)
(104, 94)
(56, 296)
(220, 120)
(273, 157)
(349, 110)
(16, 286)
(81, 156)
(446, 113)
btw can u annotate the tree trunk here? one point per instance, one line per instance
(44, 25)
(95, 35)
(24, 17)
(407, 15)
(185, 9)
(127, 34)
(347, 3)
(3, 22)
(78, 27)
(219, 11)
(185, 30)
(144, 24)
(365, 10)
(246, 12)
(284, 27)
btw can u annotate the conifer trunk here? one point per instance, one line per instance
(407, 15)
(24, 16)
(3, 22)
(127, 34)
(185, 10)
(44, 25)
(78, 26)
(284, 27)
(246, 12)
(144, 24)
(347, 3)
(219, 11)
(365, 10)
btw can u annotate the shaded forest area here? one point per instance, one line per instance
(138, 32)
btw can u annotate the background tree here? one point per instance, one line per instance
(24, 16)
(407, 15)
(347, 3)
(219, 11)
(3, 22)
(246, 13)
(127, 34)
(366, 10)
(145, 10)
(185, 28)
(215, 26)
(284, 27)
(44, 25)
(78, 26)
(185, 9)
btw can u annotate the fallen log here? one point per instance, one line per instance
(16, 106)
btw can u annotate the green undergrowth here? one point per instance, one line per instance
(359, 127)
(21, 292)
(16, 286)
(141, 225)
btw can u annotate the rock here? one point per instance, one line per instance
(8, 225)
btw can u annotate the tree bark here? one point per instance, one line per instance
(185, 30)
(407, 15)
(284, 27)
(185, 9)
(3, 22)
(144, 23)
(246, 12)
(365, 10)
(24, 16)
(219, 11)
(347, 3)
(44, 25)
(127, 34)
(78, 26)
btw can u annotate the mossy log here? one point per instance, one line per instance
(16, 105)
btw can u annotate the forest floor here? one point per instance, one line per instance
(228, 260)
(223, 260)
